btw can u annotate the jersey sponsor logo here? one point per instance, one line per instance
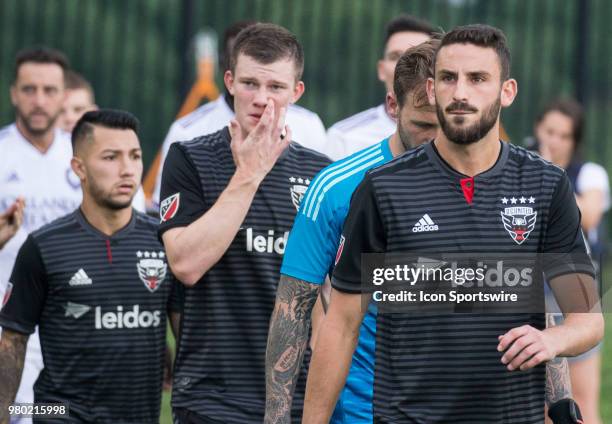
(72, 179)
(425, 224)
(519, 221)
(151, 269)
(133, 318)
(169, 207)
(297, 190)
(76, 310)
(266, 244)
(7, 293)
(340, 249)
(80, 278)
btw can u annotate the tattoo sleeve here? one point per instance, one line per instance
(558, 384)
(287, 341)
(12, 355)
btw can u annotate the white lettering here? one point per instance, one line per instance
(133, 318)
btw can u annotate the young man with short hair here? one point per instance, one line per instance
(308, 130)
(229, 199)
(97, 284)
(368, 127)
(35, 166)
(79, 99)
(462, 367)
(313, 243)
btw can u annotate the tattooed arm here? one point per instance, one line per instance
(558, 384)
(12, 354)
(287, 341)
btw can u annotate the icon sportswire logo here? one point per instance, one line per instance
(424, 224)
(80, 278)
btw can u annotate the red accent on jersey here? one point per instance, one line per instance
(467, 185)
(109, 253)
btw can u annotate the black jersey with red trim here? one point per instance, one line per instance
(220, 364)
(446, 368)
(101, 304)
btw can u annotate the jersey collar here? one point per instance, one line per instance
(121, 234)
(445, 168)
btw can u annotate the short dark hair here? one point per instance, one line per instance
(76, 81)
(108, 118)
(570, 108)
(268, 43)
(40, 54)
(483, 36)
(407, 23)
(228, 40)
(413, 69)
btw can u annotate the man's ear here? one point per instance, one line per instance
(14, 95)
(509, 90)
(298, 91)
(431, 94)
(228, 79)
(391, 105)
(77, 165)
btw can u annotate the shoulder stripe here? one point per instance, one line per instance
(336, 167)
(366, 165)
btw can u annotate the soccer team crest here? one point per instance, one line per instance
(298, 190)
(152, 269)
(519, 221)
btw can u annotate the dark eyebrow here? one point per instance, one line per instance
(445, 72)
(479, 74)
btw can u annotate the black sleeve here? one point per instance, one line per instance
(565, 247)
(26, 292)
(363, 232)
(177, 296)
(182, 196)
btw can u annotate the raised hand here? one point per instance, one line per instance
(10, 221)
(256, 154)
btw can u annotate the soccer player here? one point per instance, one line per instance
(460, 368)
(229, 201)
(35, 165)
(306, 126)
(313, 243)
(97, 284)
(79, 99)
(370, 126)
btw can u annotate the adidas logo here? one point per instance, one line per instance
(425, 224)
(80, 279)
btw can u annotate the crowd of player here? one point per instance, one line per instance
(256, 257)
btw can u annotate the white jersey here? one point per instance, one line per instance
(594, 177)
(306, 128)
(359, 131)
(51, 189)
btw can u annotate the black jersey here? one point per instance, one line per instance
(220, 365)
(433, 368)
(100, 303)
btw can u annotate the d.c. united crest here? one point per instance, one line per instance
(519, 221)
(298, 190)
(151, 269)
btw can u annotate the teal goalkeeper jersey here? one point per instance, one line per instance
(310, 253)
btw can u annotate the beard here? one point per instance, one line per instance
(473, 133)
(404, 137)
(37, 131)
(104, 200)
